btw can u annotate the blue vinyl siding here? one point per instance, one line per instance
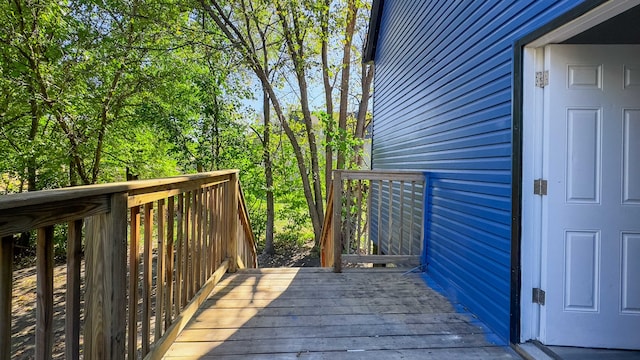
(442, 104)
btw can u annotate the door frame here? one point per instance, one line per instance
(527, 145)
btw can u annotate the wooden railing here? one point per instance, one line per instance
(139, 291)
(373, 217)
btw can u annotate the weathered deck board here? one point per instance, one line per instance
(476, 353)
(325, 331)
(317, 314)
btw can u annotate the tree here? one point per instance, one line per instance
(91, 91)
(302, 43)
(30, 38)
(228, 22)
(260, 20)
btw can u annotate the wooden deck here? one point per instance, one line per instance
(312, 313)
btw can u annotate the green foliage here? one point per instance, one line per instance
(93, 90)
(144, 149)
(343, 140)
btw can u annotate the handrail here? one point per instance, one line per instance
(130, 187)
(195, 227)
(373, 217)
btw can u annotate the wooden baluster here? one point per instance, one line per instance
(195, 231)
(205, 244)
(347, 231)
(337, 216)
(379, 237)
(193, 253)
(401, 217)
(211, 231)
(232, 218)
(44, 293)
(368, 224)
(213, 228)
(425, 201)
(72, 303)
(221, 245)
(170, 262)
(216, 225)
(224, 240)
(205, 236)
(179, 255)
(146, 278)
(186, 279)
(6, 294)
(106, 274)
(359, 219)
(134, 263)
(413, 205)
(390, 223)
(198, 245)
(160, 270)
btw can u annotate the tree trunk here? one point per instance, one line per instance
(268, 174)
(73, 177)
(215, 134)
(227, 26)
(32, 163)
(313, 149)
(316, 218)
(294, 38)
(367, 78)
(352, 10)
(328, 97)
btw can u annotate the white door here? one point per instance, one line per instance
(591, 215)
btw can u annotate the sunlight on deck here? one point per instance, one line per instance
(230, 306)
(313, 313)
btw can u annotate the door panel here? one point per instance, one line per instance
(631, 153)
(630, 273)
(583, 155)
(582, 256)
(591, 215)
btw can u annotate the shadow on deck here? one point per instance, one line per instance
(313, 313)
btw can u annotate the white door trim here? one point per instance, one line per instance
(532, 151)
(594, 17)
(532, 146)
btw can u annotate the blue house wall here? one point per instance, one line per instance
(443, 104)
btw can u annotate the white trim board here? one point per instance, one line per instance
(594, 17)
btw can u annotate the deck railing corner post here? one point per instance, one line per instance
(232, 221)
(6, 290)
(337, 221)
(106, 272)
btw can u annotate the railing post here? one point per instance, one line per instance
(232, 222)
(44, 293)
(6, 290)
(426, 206)
(337, 221)
(72, 304)
(106, 269)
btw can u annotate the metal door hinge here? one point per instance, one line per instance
(540, 187)
(538, 296)
(542, 79)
